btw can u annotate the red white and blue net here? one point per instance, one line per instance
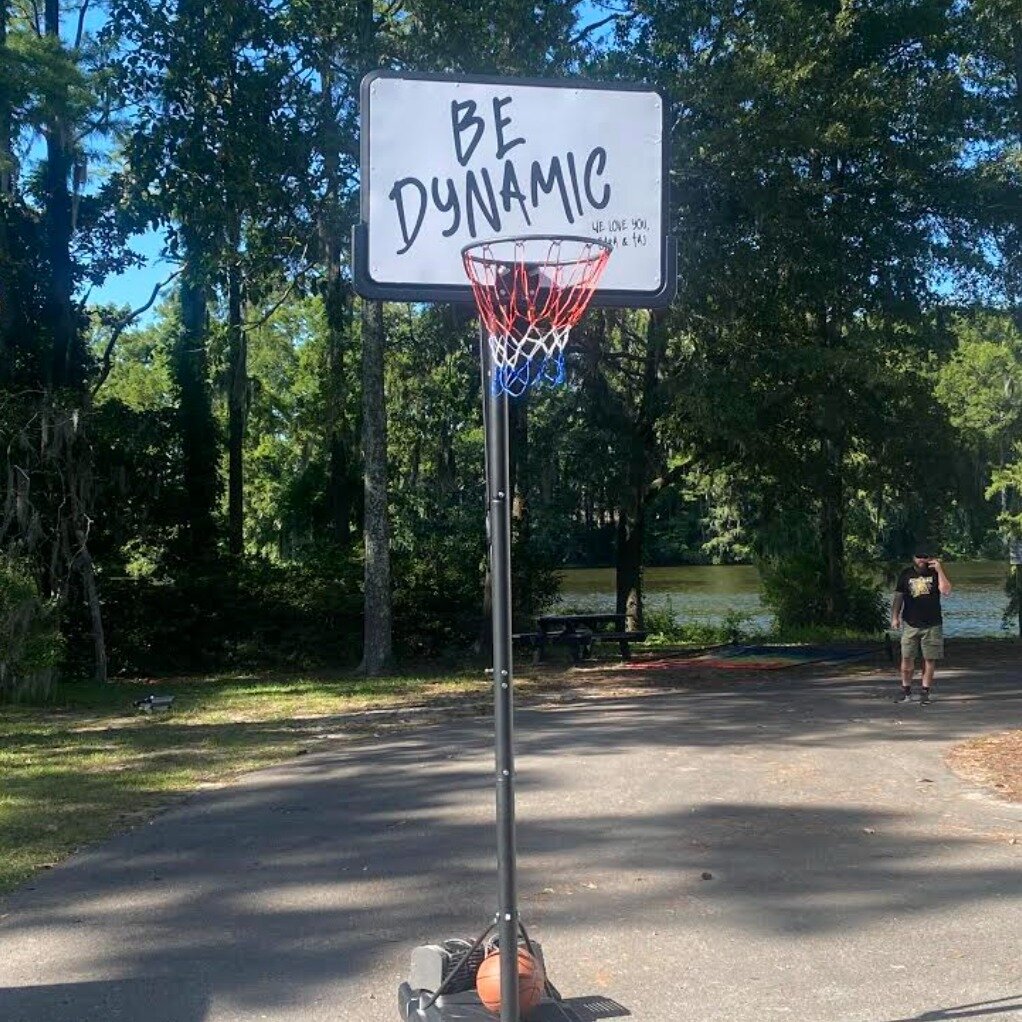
(530, 292)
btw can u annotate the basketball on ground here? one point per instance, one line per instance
(530, 982)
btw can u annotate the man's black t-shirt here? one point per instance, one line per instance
(922, 597)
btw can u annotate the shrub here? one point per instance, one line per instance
(795, 590)
(31, 648)
(235, 612)
(664, 627)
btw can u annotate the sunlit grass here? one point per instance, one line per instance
(88, 764)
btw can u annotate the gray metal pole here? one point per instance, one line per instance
(498, 510)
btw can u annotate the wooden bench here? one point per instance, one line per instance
(622, 638)
(578, 642)
(582, 631)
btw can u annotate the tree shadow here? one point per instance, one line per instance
(332, 868)
(152, 999)
(978, 1009)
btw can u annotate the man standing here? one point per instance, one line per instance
(917, 605)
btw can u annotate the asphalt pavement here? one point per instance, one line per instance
(779, 850)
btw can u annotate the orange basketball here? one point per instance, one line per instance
(530, 982)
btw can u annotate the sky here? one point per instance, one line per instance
(136, 285)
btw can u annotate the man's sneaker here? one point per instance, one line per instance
(903, 696)
(924, 698)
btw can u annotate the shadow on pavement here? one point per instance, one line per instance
(118, 1000)
(979, 1009)
(298, 876)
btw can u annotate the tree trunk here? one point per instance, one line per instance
(630, 535)
(1016, 573)
(831, 483)
(342, 466)
(6, 121)
(85, 566)
(195, 415)
(337, 301)
(60, 314)
(8, 282)
(376, 650)
(631, 522)
(237, 400)
(832, 535)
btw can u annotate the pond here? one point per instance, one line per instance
(705, 594)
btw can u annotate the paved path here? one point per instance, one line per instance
(853, 877)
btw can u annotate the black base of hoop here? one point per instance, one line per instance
(414, 1006)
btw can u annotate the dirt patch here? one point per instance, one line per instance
(994, 761)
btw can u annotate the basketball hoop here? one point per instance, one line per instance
(530, 292)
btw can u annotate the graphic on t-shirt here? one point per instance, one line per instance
(920, 586)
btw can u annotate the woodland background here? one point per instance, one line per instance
(251, 465)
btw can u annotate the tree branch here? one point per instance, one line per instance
(254, 325)
(82, 11)
(122, 325)
(595, 27)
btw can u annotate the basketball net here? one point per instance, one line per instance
(530, 292)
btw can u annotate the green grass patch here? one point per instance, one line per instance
(88, 764)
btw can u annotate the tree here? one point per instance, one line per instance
(631, 365)
(981, 386)
(819, 183)
(217, 157)
(54, 236)
(991, 32)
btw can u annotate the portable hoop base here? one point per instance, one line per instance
(529, 292)
(466, 1007)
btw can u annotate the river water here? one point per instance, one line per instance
(705, 593)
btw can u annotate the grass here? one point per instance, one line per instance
(87, 765)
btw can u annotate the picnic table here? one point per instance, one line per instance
(580, 632)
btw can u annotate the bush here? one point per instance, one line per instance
(438, 567)
(795, 590)
(664, 628)
(235, 612)
(31, 647)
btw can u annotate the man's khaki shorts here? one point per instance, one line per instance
(930, 640)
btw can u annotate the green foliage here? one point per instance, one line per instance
(1007, 482)
(843, 175)
(140, 373)
(235, 612)
(31, 646)
(665, 628)
(795, 590)
(438, 582)
(291, 486)
(981, 383)
(981, 386)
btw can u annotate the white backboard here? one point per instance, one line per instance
(449, 161)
